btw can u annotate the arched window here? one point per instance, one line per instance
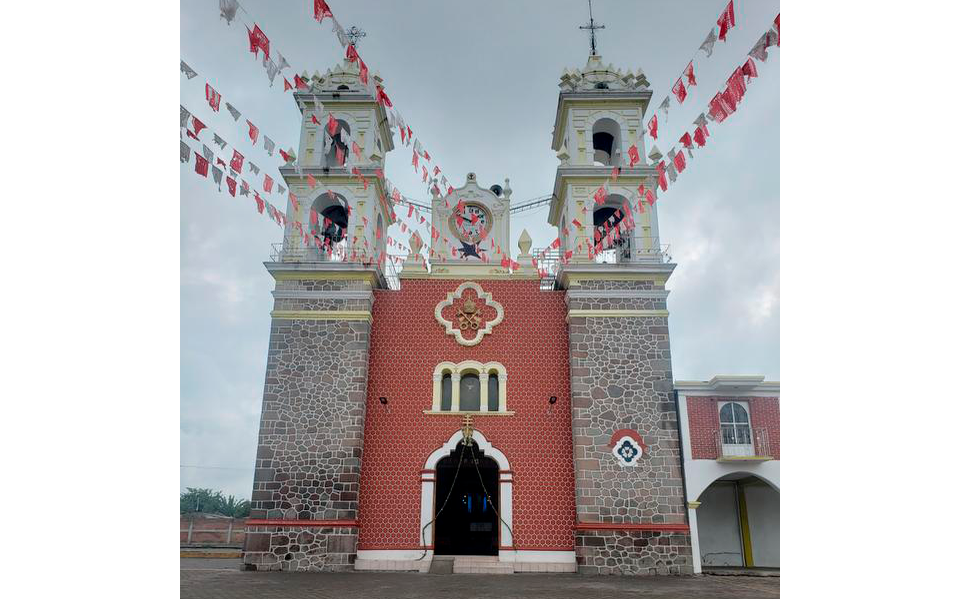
(470, 392)
(331, 227)
(611, 246)
(735, 424)
(446, 392)
(469, 386)
(606, 142)
(338, 141)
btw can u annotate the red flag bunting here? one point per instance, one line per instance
(197, 125)
(332, 125)
(286, 85)
(700, 137)
(232, 186)
(634, 155)
(300, 82)
(254, 132)
(236, 163)
(749, 69)
(311, 181)
(686, 141)
(679, 161)
(321, 10)
(267, 183)
(691, 79)
(293, 200)
(680, 91)
(652, 126)
(382, 97)
(258, 39)
(285, 156)
(364, 73)
(726, 21)
(352, 55)
(213, 98)
(202, 165)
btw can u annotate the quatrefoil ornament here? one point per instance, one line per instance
(468, 316)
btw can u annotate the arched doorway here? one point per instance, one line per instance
(738, 523)
(467, 502)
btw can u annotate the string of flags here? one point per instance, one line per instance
(719, 108)
(681, 89)
(723, 104)
(259, 42)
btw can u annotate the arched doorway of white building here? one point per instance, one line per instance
(738, 523)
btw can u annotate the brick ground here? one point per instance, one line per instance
(222, 578)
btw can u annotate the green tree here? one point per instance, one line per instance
(208, 501)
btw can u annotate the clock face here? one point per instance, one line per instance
(474, 225)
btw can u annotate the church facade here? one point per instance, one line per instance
(471, 409)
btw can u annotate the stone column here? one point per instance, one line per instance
(484, 392)
(311, 426)
(621, 378)
(455, 392)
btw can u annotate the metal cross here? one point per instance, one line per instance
(593, 28)
(354, 34)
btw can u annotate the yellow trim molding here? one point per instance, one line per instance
(294, 275)
(322, 315)
(460, 413)
(694, 504)
(617, 313)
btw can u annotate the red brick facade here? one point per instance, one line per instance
(406, 344)
(704, 419)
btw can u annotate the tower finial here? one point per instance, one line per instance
(354, 34)
(593, 30)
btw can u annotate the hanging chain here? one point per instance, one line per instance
(513, 538)
(423, 531)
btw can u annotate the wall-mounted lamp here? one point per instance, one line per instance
(552, 400)
(385, 402)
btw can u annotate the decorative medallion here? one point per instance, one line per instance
(473, 224)
(627, 446)
(469, 313)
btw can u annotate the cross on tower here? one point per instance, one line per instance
(354, 34)
(593, 30)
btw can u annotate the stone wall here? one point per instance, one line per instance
(205, 530)
(311, 428)
(621, 378)
(300, 548)
(634, 552)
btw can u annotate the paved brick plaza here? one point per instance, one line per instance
(215, 578)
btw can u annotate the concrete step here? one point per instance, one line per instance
(441, 565)
(480, 564)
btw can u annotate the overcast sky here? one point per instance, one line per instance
(477, 82)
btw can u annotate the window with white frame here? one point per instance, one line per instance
(735, 424)
(470, 386)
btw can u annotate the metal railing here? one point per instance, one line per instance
(633, 250)
(742, 441)
(339, 252)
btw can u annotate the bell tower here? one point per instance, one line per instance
(631, 517)
(599, 128)
(344, 139)
(306, 485)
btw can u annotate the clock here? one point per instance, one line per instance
(474, 225)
